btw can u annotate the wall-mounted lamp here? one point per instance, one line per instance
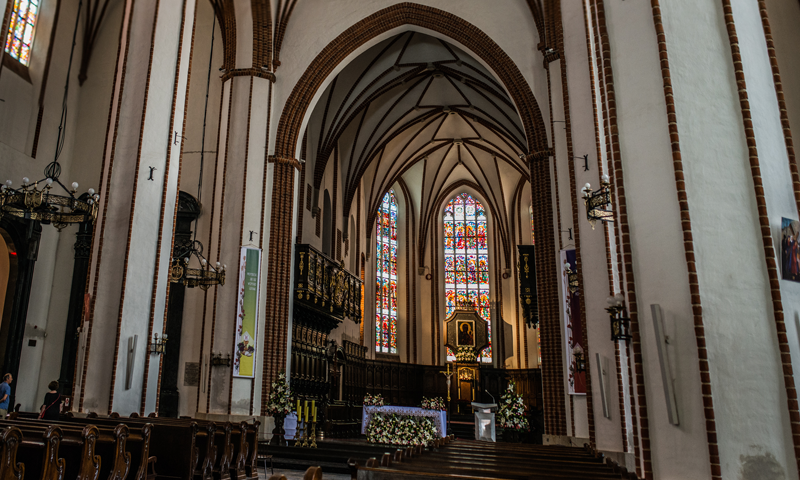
(598, 202)
(424, 270)
(572, 277)
(580, 360)
(620, 326)
(217, 360)
(506, 273)
(158, 345)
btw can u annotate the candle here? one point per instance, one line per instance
(315, 414)
(299, 411)
(313, 407)
(306, 415)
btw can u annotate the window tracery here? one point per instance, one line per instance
(466, 260)
(386, 276)
(21, 28)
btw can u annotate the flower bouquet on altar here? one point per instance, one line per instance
(280, 397)
(370, 401)
(466, 354)
(511, 415)
(279, 404)
(405, 430)
(435, 403)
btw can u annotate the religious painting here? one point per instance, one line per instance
(790, 249)
(573, 327)
(466, 333)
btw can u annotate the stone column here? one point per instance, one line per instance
(139, 187)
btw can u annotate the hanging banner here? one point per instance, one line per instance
(247, 312)
(573, 327)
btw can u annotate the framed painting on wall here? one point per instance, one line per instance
(790, 249)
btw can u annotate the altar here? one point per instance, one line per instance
(439, 417)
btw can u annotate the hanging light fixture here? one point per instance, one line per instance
(598, 202)
(572, 277)
(620, 325)
(202, 277)
(180, 271)
(30, 202)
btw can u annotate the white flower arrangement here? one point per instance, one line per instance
(435, 403)
(404, 430)
(466, 354)
(280, 397)
(370, 401)
(512, 410)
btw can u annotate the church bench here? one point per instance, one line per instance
(182, 449)
(125, 450)
(10, 438)
(39, 452)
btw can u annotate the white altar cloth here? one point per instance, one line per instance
(439, 417)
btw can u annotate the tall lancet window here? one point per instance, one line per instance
(466, 259)
(386, 284)
(19, 37)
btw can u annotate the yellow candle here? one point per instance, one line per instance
(306, 415)
(313, 406)
(299, 411)
(315, 414)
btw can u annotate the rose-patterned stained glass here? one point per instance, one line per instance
(21, 27)
(466, 260)
(386, 275)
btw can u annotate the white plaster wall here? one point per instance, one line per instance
(656, 237)
(780, 200)
(737, 312)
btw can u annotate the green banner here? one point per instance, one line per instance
(247, 312)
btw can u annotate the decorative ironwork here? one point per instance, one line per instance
(203, 277)
(158, 345)
(598, 202)
(217, 360)
(620, 325)
(572, 277)
(29, 202)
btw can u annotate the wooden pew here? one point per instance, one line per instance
(176, 446)
(38, 451)
(110, 444)
(10, 439)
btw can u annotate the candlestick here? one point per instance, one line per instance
(314, 434)
(298, 435)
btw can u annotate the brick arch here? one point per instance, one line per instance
(289, 130)
(440, 21)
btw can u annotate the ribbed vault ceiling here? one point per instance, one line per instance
(418, 108)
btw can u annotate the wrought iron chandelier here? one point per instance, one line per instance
(29, 202)
(202, 277)
(180, 272)
(598, 202)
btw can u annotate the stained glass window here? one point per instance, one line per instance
(386, 278)
(20, 30)
(466, 260)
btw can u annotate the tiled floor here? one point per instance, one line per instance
(298, 474)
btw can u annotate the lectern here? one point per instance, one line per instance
(484, 421)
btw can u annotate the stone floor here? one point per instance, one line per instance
(298, 474)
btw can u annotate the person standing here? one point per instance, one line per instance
(5, 394)
(51, 408)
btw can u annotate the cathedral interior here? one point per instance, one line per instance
(592, 203)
